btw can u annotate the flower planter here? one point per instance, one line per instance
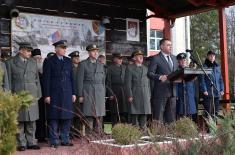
(143, 146)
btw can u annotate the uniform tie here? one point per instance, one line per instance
(169, 63)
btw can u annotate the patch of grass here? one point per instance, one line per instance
(108, 128)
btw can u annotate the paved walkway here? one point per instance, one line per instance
(81, 147)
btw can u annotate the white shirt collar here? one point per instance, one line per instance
(60, 57)
(165, 55)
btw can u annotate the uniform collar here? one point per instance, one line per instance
(60, 57)
(138, 65)
(92, 60)
(75, 65)
(23, 59)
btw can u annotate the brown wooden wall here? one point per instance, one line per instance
(116, 10)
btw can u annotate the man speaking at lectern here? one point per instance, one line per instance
(161, 65)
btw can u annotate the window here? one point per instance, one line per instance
(155, 37)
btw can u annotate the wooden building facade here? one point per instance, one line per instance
(116, 11)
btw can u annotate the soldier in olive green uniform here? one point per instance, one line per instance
(91, 89)
(138, 91)
(76, 106)
(115, 80)
(5, 81)
(23, 75)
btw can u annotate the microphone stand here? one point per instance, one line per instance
(211, 82)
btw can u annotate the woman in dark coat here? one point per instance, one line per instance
(186, 105)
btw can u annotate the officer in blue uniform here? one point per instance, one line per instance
(205, 85)
(185, 105)
(59, 94)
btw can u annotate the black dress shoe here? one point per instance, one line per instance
(21, 148)
(33, 147)
(66, 144)
(54, 145)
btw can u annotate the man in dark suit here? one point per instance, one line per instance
(161, 65)
(59, 94)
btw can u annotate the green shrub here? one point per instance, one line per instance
(126, 134)
(10, 104)
(226, 134)
(184, 128)
(212, 124)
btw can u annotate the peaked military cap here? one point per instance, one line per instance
(25, 45)
(61, 43)
(181, 56)
(91, 47)
(74, 54)
(36, 52)
(117, 55)
(138, 52)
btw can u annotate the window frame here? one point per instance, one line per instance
(156, 39)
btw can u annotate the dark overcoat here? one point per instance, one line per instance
(76, 105)
(216, 77)
(58, 85)
(115, 80)
(186, 98)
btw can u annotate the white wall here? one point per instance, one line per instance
(181, 35)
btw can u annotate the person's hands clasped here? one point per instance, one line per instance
(163, 78)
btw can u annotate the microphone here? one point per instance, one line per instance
(189, 51)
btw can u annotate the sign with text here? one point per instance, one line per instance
(42, 31)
